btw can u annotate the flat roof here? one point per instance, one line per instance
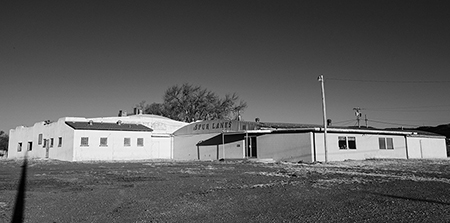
(108, 126)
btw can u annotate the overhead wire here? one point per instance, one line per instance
(390, 81)
(398, 109)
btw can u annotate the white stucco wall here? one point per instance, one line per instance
(30, 134)
(426, 147)
(286, 147)
(185, 146)
(367, 146)
(115, 149)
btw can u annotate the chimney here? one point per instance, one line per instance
(122, 113)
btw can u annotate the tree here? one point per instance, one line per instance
(4, 139)
(190, 103)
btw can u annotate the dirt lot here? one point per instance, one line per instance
(229, 191)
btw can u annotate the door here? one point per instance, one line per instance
(47, 148)
(251, 147)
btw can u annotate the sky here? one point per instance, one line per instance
(93, 58)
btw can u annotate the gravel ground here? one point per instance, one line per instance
(229, 191)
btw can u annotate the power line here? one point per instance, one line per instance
(391, 123)
(388, 81)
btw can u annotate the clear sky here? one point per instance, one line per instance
(94, 58)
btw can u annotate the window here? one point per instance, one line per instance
(103, 141)
(30, 146)
(51, 142)
(40, 139)
(346, 142)
(59, 141)
(45, 143)
(351, 142)
(386, 143)
(126, 142)
(140, 141)
(84, 141)
(342, 142)
(19, 147)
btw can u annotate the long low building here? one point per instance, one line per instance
(154, 137)
(107, 138)
(209, 140)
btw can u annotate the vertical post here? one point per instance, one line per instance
(324, 110)
(223, 145)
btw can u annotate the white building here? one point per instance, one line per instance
(154, 137)
(210, 140)
(108, 138)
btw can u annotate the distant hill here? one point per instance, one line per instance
(440, 129)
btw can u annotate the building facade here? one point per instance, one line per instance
(139, 137)
(210, 140)
(108, 138)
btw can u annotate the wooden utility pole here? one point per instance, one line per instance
(324, 109)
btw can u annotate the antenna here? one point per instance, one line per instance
(358, 115)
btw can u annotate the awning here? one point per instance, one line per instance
(228, 138)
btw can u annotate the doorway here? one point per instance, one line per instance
(251, 148)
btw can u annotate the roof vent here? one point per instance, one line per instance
(90, 122)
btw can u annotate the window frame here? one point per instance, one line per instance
(84, 141)
(103, 141)
(19, 147)
(59, 141)
(386, 143)
(347, 142)
(30, 146)
(127, 141)
(40, 137)
(140, 142)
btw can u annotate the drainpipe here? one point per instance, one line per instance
(406, 147)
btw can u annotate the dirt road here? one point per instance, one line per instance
(229, 191)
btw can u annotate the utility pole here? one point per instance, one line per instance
(324, 109)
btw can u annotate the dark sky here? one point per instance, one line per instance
(94, 58)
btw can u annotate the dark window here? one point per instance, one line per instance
(351, 142)
(84, 141)
(51, 142)
(126, 142)
(30, 146)
(19, 147)
(103, 141)
(59, 141)
(342, 142)
(346, 142)
(140, 141)
(45, 143)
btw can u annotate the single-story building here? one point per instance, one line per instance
(107, 138)
(142, 136)
(220, 139)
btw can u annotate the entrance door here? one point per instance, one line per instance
(251, 147)
(47, 148)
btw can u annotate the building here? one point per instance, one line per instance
(108, 138)
(210, 140)
(142, 136)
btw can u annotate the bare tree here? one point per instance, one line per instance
(189, 103)
(4, 139)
